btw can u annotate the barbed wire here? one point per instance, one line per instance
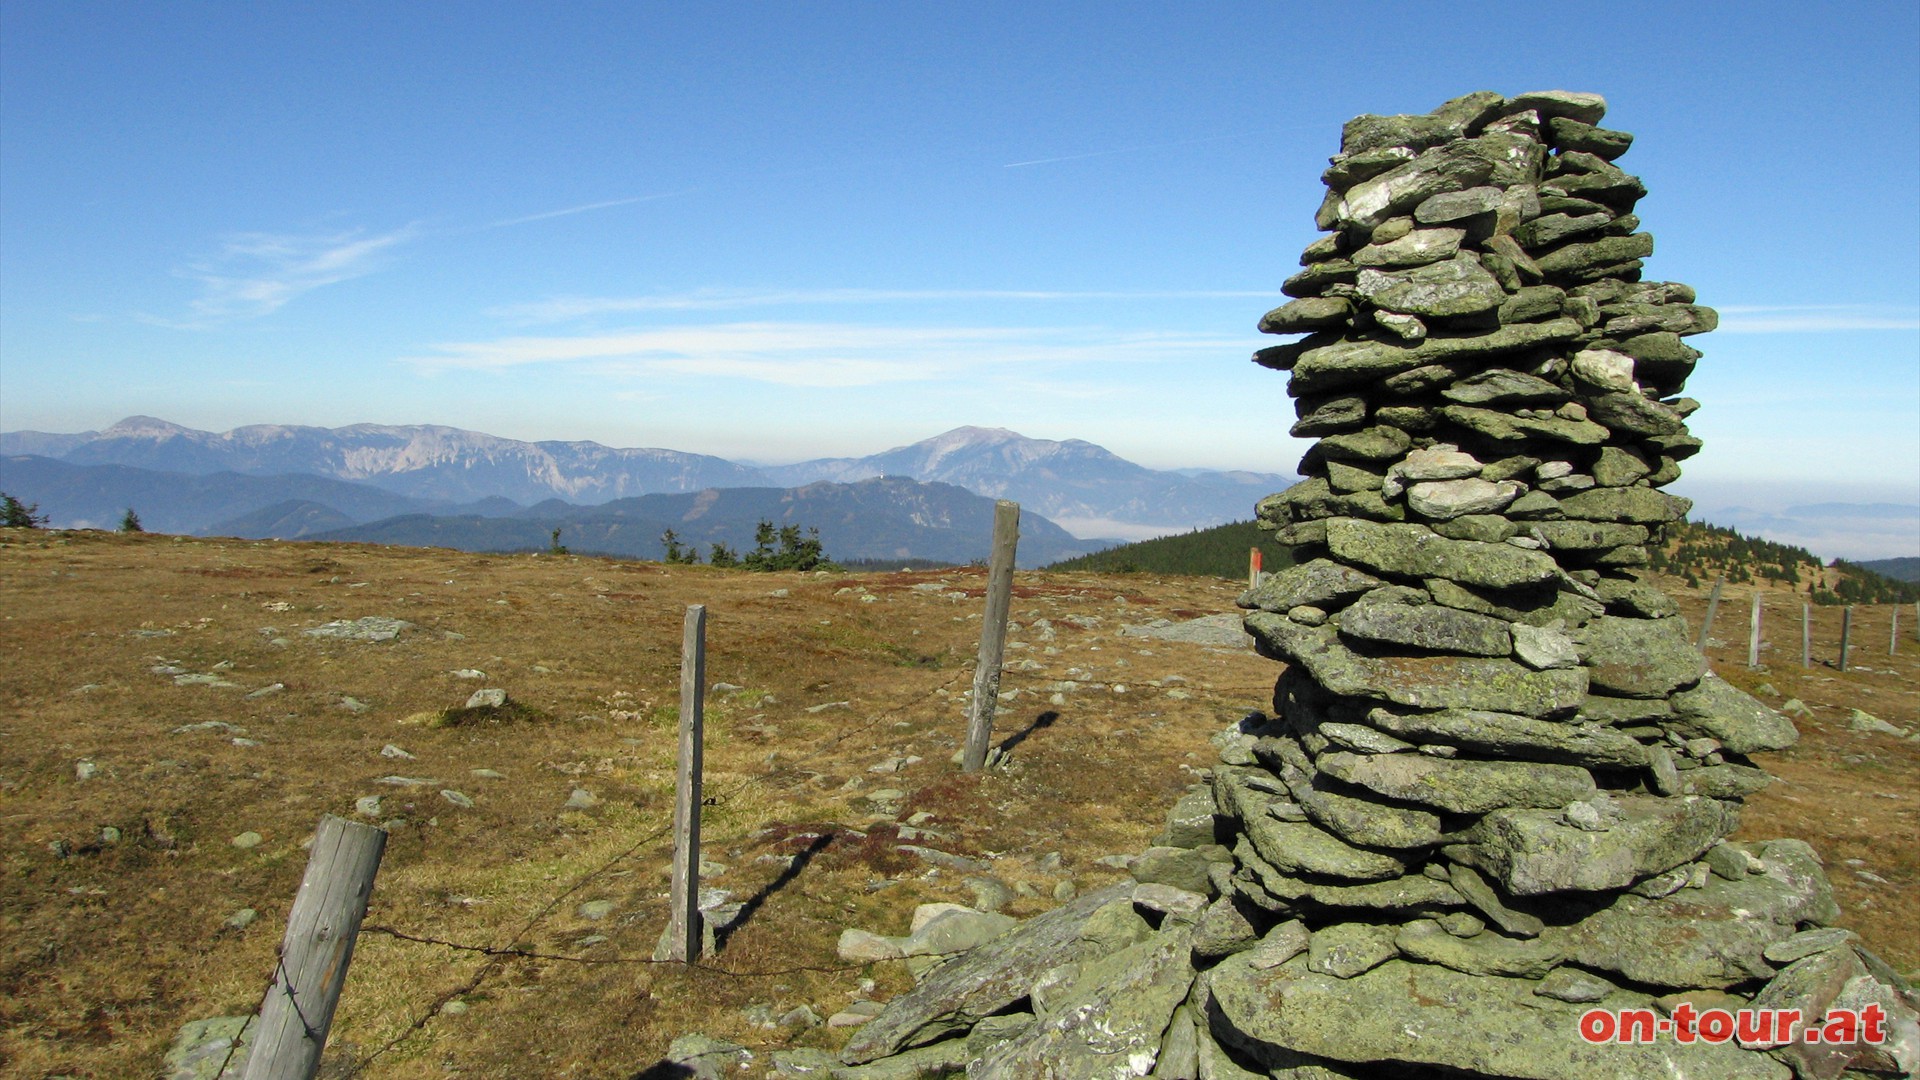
(496, 955)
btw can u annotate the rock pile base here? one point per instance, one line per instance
(1494, 791)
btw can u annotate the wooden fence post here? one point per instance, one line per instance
(1893, 634)
(1846, 635)
(1806, 635)
(1713, 606)
(312, 967)
(993, 635)
(683, 933)
(1753, 633)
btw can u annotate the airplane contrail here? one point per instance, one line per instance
(1126, 150)
(585, 208)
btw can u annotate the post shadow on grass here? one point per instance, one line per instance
(1044, 720)
(721, 935)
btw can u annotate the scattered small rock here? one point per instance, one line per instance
(1861, 720)
(492, 698)
(456, 798)
(248, 840)
(370, 628)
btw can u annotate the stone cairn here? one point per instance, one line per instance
(1496, 787)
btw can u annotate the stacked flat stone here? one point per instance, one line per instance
(1497, 785)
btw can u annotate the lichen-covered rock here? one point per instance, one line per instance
(1485, 953)
(1415, 551)
(1427, 626)
(1361, 821)
(1320, 583)
(1639, 657)
(1496, 734)
(1717, 710)
(1304, 848)
(1538, 851)
(1112, 1022)
(1488, 1025)
(986, 980)
(1430, 682)
(1459, 785)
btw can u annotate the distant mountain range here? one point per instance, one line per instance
(877, 518)
(1905, 568)
(1085, 488)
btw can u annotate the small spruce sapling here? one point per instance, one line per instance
(17, 515)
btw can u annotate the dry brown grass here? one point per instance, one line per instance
(106, 949)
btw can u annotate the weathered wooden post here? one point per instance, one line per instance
(1806, 635)
(1713, 606)
(1753, 633)
(1846, 635)
(312, 967)
(993, 635)
(1253, 568)
(683, 932)
(1893, 633)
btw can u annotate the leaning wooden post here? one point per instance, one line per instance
(1253, 568)
(1846, 635)
(683, 934)
(312, 967)
(1713, 605)
(1753, 633)
(1806, 635)
(993, 635)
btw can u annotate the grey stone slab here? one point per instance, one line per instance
(983, 982)
(1110, 1024)
(1429, 682)
(1459, 785)
(1534, 851)
(1423, 1013)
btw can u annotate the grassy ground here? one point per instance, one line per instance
(108, 945)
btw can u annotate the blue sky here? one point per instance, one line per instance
(773, 232)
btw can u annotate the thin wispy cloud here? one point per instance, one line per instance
(819, 355)
(256, 274)
(584, 208)
(562, 309)
(1814, 318)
